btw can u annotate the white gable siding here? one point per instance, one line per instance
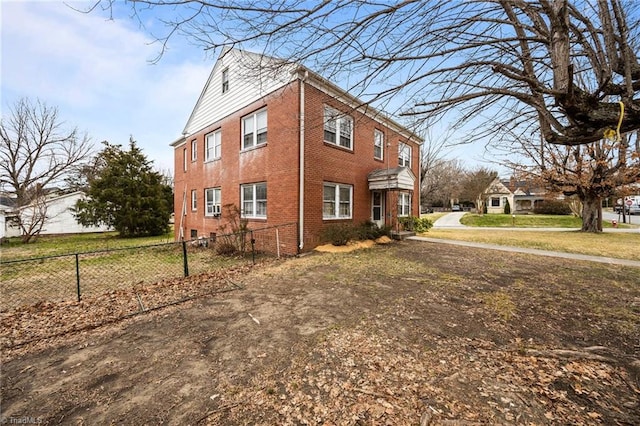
(251, 77)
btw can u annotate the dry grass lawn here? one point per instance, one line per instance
(617, 245)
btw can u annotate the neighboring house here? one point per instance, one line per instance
(287, 146)
(521, 195)
(7, 211)
(59, 217)
(5, 215)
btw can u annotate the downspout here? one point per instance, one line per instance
(301, 163)
(419, 180)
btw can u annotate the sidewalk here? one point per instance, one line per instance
(600, 259)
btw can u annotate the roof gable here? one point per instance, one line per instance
(251, 76)
(497, 187)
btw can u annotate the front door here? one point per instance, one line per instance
(377, 208)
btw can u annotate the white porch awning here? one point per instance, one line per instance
(399, 178)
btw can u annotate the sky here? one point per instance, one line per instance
(99, 73)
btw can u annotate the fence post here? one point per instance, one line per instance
(253, 248)
(78, 275)
(184, 258)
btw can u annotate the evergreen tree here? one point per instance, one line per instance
(507, 207)
(127, 194)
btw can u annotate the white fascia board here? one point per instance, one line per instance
(343, 96)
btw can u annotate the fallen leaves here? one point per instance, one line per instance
(47, 320)
(365, 376)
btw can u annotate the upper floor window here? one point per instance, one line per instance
(225, 80)
(212, 145)
(254, 200)
(404, 204)
(337, 201)
(254, 129)
(212, 201)
(184, 159)
(338, 128)
(194, 199)
(194, 150)
(378, 145)
(404, 155)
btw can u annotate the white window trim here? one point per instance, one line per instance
(210, 201)
(194, 200)
(378, 135)
(194, 150)
(254, 201)
(402, 197)
(402, 157)
(254, 142)
(338, 118)
(217, 142)
(336, 210)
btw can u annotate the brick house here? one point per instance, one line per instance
(287, 146)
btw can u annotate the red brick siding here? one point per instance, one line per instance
(327, 163)
(277, 163)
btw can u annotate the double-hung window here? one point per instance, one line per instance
(184, 159)
(254, 129)
(194, 150)
(337, 201)
(225, 80)
(495, 202)
(404, 204)
(404, 155)
(254, 200)
(212, 145)
(194, 200)
(378, 145)
(212, 201)
(338, 128)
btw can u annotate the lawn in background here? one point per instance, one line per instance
(52, 245)
(522, 221)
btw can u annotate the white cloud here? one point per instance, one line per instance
(97, 72)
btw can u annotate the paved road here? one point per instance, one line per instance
(609, 216)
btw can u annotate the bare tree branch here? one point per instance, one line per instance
(568, 62)
(36, 152)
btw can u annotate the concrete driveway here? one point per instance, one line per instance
(450, 220)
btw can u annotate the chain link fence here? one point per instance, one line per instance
(82, 276)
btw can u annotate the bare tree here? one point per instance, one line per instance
(473, 185)
(441, 181)
(590, 172)
(35, 154)
(563, 67)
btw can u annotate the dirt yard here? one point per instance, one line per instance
(409, 333)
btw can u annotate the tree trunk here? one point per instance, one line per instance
(591, 213)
